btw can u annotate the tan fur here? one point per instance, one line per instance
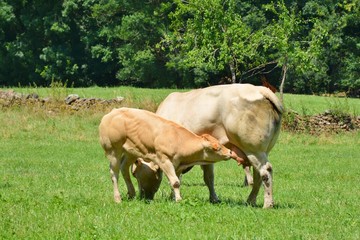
(148, 177)
(128, 134)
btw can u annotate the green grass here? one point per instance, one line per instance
(310, 104)
(54, 183)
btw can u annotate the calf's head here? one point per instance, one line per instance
(148, 176)
(214, 151)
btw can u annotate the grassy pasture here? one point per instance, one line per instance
(303, 104)
(54, 183)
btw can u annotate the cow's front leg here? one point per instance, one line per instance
(208, 171)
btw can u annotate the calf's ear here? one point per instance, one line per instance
(214, 143)
(215, 146)
(138, 162)
(206, 137)
(156, 167)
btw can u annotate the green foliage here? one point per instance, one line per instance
(182, 43)
(211, 37)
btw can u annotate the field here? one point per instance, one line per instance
(54, 182)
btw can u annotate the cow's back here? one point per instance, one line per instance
(246, 115)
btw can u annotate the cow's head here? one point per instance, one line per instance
(216, 151)
(148, 176)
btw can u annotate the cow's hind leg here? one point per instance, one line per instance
(262, 173)
(267, 179)
(248, 177)
(114, 174)
(125, 167)
(248, 180)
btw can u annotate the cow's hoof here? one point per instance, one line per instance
(268, 204)
(251, 202)
(215, 200)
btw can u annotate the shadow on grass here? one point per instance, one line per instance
(285, 206)
(201, 184)
(224, 202)
(242, 203)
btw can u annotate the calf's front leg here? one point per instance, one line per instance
(168, 168)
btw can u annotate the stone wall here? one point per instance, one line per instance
(329, 121)
(11, 98)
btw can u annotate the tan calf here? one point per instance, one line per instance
(128, 134)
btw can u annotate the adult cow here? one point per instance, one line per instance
(244, 117)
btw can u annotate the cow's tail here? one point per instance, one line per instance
(279, 109)
(268, 94)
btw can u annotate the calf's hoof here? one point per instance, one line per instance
(131, 195)
(117, 199)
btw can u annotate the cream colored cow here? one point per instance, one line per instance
(245, 118)
(128, 134)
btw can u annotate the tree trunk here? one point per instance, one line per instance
(233, 72)
(284, 70)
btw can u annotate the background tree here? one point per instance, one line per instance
(128, 34)
(212, 38)
(314, 45)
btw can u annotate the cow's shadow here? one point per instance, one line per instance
(231, 202)
(240, 200)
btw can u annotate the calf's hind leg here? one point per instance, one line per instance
(125, 167)
(114, 174)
